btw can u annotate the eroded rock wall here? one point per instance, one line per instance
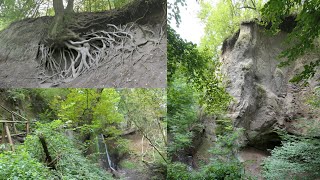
(264, 100)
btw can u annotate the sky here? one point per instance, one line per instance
(190, 28)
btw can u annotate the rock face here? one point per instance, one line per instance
(264, 98)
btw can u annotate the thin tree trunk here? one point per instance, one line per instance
(162, 132)
(151, 143)
(49, 160)
(14, 125)
(58, 7)
(142, 147)
(109, 4)
(9, 136)
(3, 137)
(58, 18)
(69, 8)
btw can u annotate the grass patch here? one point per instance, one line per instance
(128, 164)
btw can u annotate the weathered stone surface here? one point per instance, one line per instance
(264, 98)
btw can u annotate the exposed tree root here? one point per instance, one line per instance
(77, 56)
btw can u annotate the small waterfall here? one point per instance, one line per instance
(107, 153)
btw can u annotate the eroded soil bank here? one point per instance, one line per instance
(137, 59)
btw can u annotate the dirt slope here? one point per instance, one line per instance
(144, 66)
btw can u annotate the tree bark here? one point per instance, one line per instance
(50, 162)
(58, 7)
(60, 12)
(69, 8)
(9, 136)
(109, 3)
(58, 18)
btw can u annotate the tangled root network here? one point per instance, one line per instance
(63, 64)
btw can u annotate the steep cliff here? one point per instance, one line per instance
(264, 99)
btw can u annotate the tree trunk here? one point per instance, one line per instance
(60, 12)
(109, 3)
(58, 18)
(50, 163)
(69, 8)
(58, 7)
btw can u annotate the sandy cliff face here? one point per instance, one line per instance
(264, 98)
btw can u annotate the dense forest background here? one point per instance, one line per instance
(86, 134)
(198, 99)
(11, 11)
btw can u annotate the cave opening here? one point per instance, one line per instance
(267, 142)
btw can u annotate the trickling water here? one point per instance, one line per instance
(107, 153)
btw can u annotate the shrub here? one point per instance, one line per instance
(20, 165)
(214, 171)
(177, 171)
(298, 159)
(221, 171)
(70, 164)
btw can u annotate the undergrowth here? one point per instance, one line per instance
(30, 161)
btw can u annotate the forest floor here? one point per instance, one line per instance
(132, 168)
(252, 159)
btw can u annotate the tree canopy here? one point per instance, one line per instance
(13, 10)
(304, 36)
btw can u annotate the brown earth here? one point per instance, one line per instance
(252, 159)
(140, 171)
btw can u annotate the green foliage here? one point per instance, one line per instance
(20, 165)
(185, 56)
(35, 101)
(12, 10)
(70, 164)
(308, 72)
(192, 83)
(215, 170)
(99, 5)
(40, 102)
(128, 164)
(174, 11)
(19, 98)
(314, 100)
(145, 110)
(304, 33)
(184, 59)
(122, 146)
(222, 20)
(17, 95)
(222, 166)
(181, 115)
(120, 3)
(221, 171)
(90, 110)
(226, 145)
(299, 156)
(294, 160)
(224, 126)
(178, 171)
